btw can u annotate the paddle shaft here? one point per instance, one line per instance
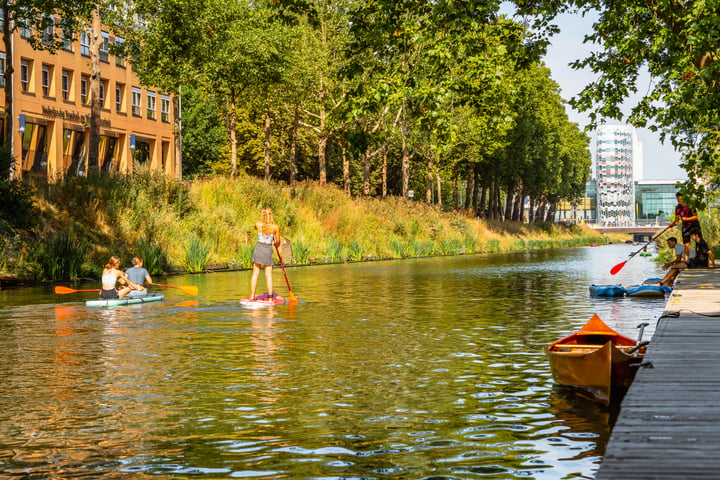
(620, 265)
(287, 282)
(191, 290)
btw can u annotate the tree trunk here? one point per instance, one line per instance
(550, 217)
(520, 200)
(469, 200)
(491, 203)
(540, 213)
(267, 144)
(497, 203)
(405, 166)
(428, 189)
(232, 127)
(293, 144)
(322, 147)
(483, 205)
(509, 204)
(476, 191)
(346, 170)
(531, 209)
(384, 172)
(366, 171)
(455, 188)
(95, 105)
(439, 189)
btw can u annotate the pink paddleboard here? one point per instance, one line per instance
(263, 300)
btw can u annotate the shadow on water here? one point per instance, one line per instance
(415, 369)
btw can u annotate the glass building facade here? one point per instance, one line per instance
(655, 201)
(616, 150)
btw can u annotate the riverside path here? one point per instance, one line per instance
(669, 423)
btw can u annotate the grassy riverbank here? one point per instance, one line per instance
(209, 224)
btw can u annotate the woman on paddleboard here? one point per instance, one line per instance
(110, 276)
(268, 236)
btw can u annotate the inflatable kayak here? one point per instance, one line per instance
(120, 302)
(263, 300)
(607, 290)
(647, 290)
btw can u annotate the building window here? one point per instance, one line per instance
(151, 105)
(165, 108)
(136, 101)
(104, 47)
(3, 59)
(84, 44)
(25, 71)
(84, 82)
(46, 79)
(66, 81)
(103, 89)
(119, 97)
(24, 32)
(48, 34)
(119, 59)
(68, 38)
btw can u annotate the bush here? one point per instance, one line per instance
(300, 251)
(197, 255)
(334, 251)
(154, 259)
(355, 251)
(59, 257)
(16, 205)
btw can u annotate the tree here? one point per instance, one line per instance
(677, 43)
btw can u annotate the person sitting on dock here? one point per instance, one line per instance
(704, 257)
(675, 264)
(138, 275)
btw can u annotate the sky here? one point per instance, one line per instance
(661, 162)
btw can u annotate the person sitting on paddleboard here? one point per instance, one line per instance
(268, 236)
(138, 275)
(110, 276)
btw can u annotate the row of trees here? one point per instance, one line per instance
(386, 97)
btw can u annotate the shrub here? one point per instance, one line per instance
(58, 257)
(154, 259)
(355, 251)
(197, 255)
(334, 251)
(300, 251)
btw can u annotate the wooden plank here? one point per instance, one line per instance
(669, 421)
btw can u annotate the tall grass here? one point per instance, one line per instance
(300, 251)
(154, 259)
(59, 257)
(334, 251)
(355, 251)
(197, 254)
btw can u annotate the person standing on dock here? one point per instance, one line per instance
(268, 236)
(689, 219)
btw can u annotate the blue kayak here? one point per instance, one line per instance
(647, 290)
(607, 290)
(120, 302)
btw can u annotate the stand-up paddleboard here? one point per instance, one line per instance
(263, 300)
(120, 302)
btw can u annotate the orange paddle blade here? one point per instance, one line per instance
(190, 289)
(62, 290)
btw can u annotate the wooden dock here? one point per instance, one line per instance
(669, 422)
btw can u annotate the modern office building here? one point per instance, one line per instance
(655, 201)
(617, 150)
(51, 112)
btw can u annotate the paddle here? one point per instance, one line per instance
(190, 289)
(292, 297)
(620, 265)
(62, 290)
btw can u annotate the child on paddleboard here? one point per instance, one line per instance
(268, 236)
(111, 275)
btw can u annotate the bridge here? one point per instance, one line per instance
(640, 233)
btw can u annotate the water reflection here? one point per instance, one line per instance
(419, 368)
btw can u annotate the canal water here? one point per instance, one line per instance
(422, 368)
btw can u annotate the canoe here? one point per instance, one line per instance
(261, 301)
(658, 291)
(121, 302)
(596, 360)
(607, 290)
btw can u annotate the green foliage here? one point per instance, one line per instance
(493, 245)
(399, 248)
(334, 251)
(355, 251)
(301, 251)
(16, 205)
(154, 259)
(197, 254)
(58, 257)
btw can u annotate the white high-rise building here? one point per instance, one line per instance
(618, 150)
